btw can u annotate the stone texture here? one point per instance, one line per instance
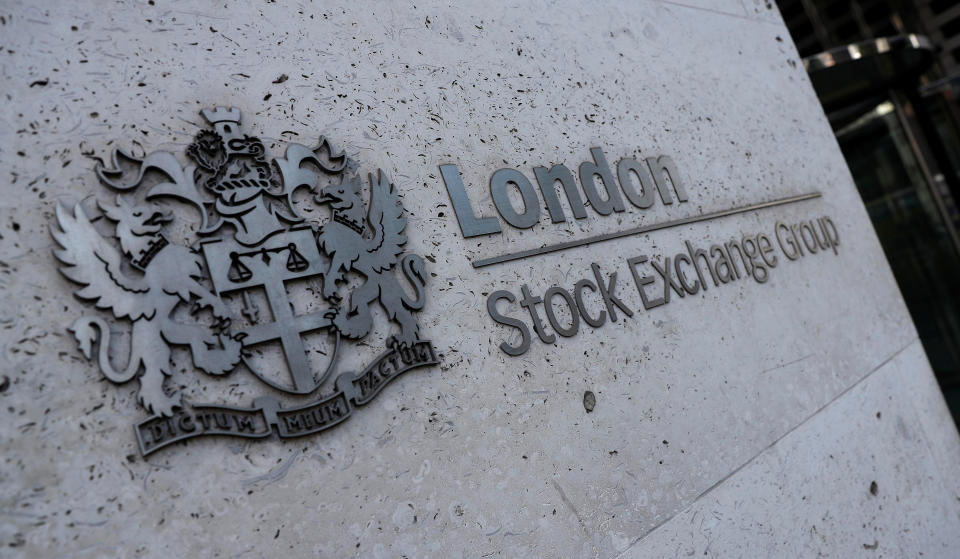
(486, 454)
(868, 450)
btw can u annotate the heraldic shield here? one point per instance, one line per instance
(250, 244)
(281, 257)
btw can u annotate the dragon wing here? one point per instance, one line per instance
(388, 222)
(89, 260)
(181, 184)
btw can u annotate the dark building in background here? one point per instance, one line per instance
(888, 75)
(820, 25)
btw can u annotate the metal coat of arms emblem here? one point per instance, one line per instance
(222, 291)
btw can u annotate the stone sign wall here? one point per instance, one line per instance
(381, 280)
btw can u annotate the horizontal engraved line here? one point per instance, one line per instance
(638, 230)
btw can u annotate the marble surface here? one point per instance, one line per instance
(715, 414)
